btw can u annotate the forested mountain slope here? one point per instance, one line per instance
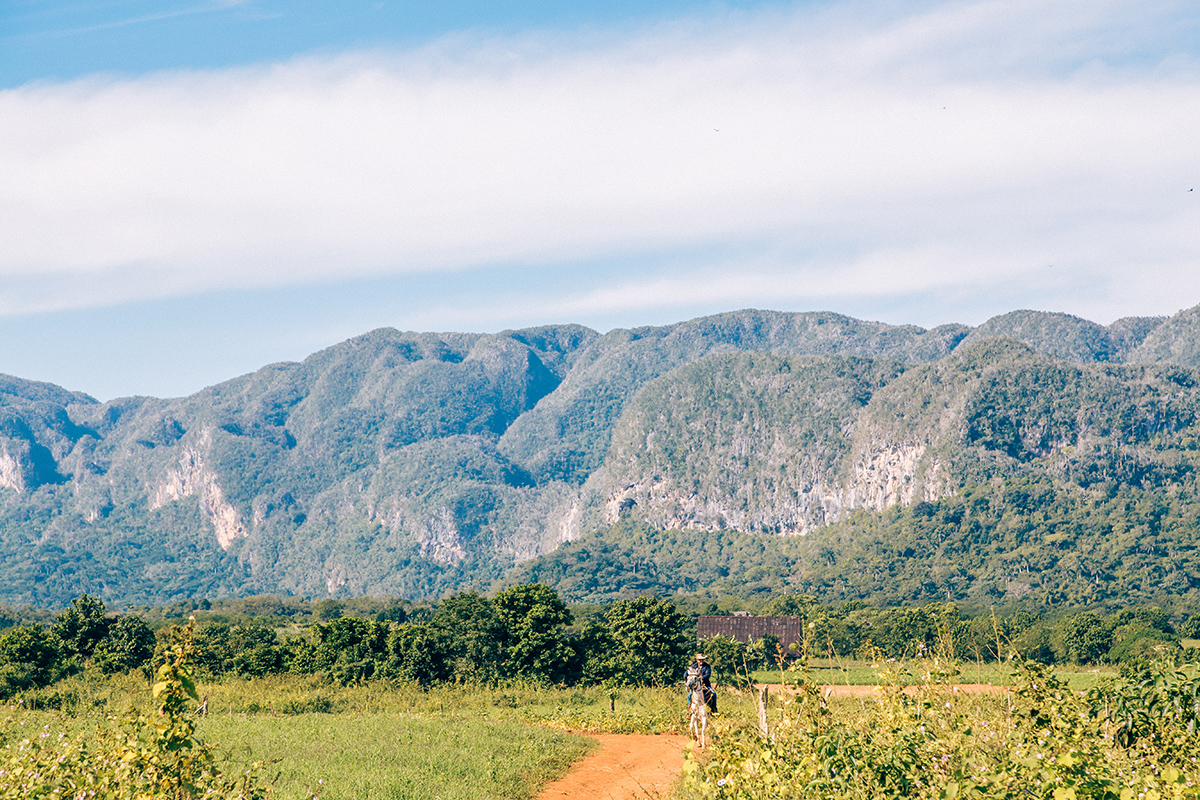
(410, 464)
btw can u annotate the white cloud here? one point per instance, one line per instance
(817, 154)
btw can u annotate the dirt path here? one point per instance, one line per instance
(624, 768)
(636, 767)
(849, 690)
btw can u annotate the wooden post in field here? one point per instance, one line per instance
(762, 713)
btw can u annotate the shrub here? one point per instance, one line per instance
(926, 740)
(29, 658)
(127, 645)
(81, 627)
(142, 758)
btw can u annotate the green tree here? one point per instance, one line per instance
(214, 648)
(81, 626)
(468, 623)
(349, 648)
(791, 605)
(256, 651)
(29, 658)
(764, 653)
(644, 641)
(531, 618)
(129, 644)
(417, 652)
(728, 660)
(1087, 638)
(1036, 643)
(251, 650)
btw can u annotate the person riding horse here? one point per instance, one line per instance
(700, 698)
(705, 676)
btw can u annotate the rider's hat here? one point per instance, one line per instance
(699, 656)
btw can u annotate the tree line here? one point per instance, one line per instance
(521, 633)
(528, 633)
(853, 629)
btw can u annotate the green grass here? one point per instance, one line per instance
(388, 755)
(865, 673)
(386, 740)
(931, 740)
(372, 741)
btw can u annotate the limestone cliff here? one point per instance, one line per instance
(416, 463)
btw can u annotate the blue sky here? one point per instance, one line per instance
(191, 190)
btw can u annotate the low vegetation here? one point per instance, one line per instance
(921, 736)
(480, 697)
(142, 755)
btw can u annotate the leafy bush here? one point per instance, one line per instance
(142, 758)
(81, 627)
(29, 658)
(1155, 709)
(923, 738)
(128, 644)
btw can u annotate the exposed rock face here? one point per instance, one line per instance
(439, 538)
(876, 481)
(410, 463)
(192, 477)
(758, 443)
(338, 577)
(887, 478)
(11, 475)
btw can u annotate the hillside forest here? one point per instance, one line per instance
(1038, 461)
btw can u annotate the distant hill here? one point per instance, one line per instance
(417, 463)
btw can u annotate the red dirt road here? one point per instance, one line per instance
(844, 690)
(624, 768)
(636, 767)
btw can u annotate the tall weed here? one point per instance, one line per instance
(921, 737)
(140, 756)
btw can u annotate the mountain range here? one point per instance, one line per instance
(412, 464)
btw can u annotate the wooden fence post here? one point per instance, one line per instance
(762, 713)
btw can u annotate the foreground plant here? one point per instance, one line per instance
(138, 757)
(923, 739)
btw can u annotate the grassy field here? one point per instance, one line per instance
(317, 739)
(385, 740)
(864, 673)
(388, 755)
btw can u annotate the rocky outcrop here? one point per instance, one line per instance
(11, 474)
(192, 477)
(884, 477)
(439, 538)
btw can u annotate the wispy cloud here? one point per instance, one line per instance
(160, 14)
(827, 153)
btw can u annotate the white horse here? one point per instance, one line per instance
(697, 706)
